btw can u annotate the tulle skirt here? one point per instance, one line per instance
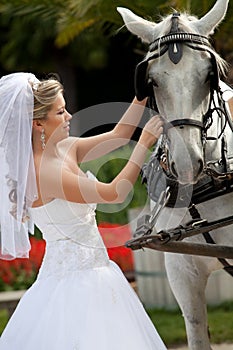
(93, 309)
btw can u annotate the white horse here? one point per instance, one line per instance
(182, 71)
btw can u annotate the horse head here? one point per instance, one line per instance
(181, 69)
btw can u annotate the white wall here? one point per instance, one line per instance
(152, 283)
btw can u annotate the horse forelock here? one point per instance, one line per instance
(185, 20)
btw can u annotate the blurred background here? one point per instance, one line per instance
(86, 44)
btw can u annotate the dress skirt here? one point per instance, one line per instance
(92, 309)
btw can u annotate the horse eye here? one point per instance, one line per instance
(209, 76)
(152, 82)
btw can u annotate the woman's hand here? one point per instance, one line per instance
(151, 131)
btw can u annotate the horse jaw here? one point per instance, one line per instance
(209, 22)
(185, 159)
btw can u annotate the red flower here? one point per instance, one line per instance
(21, 273)
(114, 237)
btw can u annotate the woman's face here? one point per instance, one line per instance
(57, 123)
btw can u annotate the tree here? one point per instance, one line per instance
(73, 36)
(85, 43)
(61, 22)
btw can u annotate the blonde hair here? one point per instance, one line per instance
(45, 94)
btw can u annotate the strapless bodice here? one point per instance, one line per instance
(60, 219)
(73, 241)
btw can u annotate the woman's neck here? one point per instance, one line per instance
(50, 150)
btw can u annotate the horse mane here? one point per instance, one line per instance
(185, 25)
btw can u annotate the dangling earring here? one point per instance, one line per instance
(42, 138)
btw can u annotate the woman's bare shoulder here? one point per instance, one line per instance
(68, 142)
(68, 147)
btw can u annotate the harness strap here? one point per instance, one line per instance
(182, 122)
(196, 216)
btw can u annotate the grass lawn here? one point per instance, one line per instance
(3, 320)
(170, 324)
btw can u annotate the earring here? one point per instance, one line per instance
(42, 139)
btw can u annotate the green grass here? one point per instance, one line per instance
(221, 323)
(3, 320)
(170, 324)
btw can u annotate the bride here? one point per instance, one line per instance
(80, 299)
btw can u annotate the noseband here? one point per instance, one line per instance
(181, 123)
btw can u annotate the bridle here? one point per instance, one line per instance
(173, 44)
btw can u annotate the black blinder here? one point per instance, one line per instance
(214, 75)
(140, 81)
(143, 88)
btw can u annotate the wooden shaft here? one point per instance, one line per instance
(206, 249)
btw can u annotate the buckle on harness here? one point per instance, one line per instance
(145, 223)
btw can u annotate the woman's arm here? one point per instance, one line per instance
(81, 189)
(88, 148)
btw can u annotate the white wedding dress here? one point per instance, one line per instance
(80, 300)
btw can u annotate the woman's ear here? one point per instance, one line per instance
(37, 124)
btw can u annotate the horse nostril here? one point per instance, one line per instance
(173, 169)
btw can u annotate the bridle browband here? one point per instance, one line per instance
(179, 37)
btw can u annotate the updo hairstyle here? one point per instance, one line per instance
(45, 94)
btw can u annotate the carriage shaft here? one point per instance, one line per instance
(206, 249)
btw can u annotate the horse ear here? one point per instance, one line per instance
(138, 26)
(209, 22)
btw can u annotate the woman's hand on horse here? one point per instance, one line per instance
(151, 131)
